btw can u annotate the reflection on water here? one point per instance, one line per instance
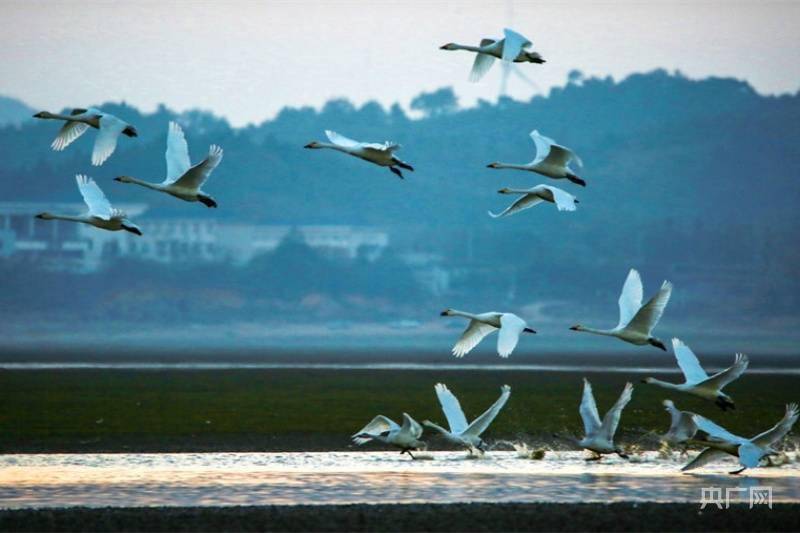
(360, 477)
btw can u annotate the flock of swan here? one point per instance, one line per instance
(636, 319)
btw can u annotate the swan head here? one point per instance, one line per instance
(504, 190)
(577, 327)
(124, 179)
(312, 144)
(649, 381)
(446, 312)
(45, 216)
(449, 46)
(130, 131)
(493, 165)
(43, 114)
(666, 403)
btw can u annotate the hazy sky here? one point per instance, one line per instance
(246, 60)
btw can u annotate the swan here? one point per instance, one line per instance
(509, 324)
(599, 436)
(79, 120)
(530, 197)
(749, 451)
(511, 48)
(379, 154)
(636, 321)
(552, 160)
(384, 429)
(697, 382)
(183, 180)
(682, 426)
(100, 213)
(461, 433)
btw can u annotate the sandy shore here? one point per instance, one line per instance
(416, 517)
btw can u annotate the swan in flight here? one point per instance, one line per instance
(461, 433)
(749, 451)
(80, 120)
(552, 160)
(697, 382)
(384, 429)
(183, 180)
(510, 325)
(682, 426)
(100, 213)
(379, 154)
(636, 321)
(530, 197)
(512, 48)
(599, 436)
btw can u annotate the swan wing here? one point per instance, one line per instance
(542, 144)
(611, 420)
(716, 431)
(341, 140)
(451, 408)
(96, 201)
(648, 316)
(511, 327)
(559, 156)
(474, 334)
(198, 174)
(730, 374)
(588, 410)
(106, 141)
(68, 133)
(687, 361)
(780, 429)
(513, 43)
(564, 201)
(177, 153)
(526, 201)
(379, 424)
(703, 458)
(630, 299)
(411, 426)
(481, 65)
(750, 454)
(480, 424)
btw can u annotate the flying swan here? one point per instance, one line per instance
(636, 321)
(552, 160)
(510, 325)
(512, 48)
(681, 427)
(79, 120)
(384, 429)
(183, 180)
(530, 197)
(461, 433)
(599, 436)
(379, 154)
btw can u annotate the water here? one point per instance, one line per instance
(205, 479)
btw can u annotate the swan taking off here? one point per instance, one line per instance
(510, 325)
(749, 451)
(379, 154)
(183, 180)
(512, 48)
(80, 120)
(697, 382)
(552, 160)
(682, 426)
(600, 435)
(461, 433)
(636, 321)
(530, 197)
(100, 213)
(384, 429)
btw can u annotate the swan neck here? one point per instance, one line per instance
(70, 218)
(596, 331)
(455, 312)
(514, 166)
(437, 427)
(466, 47)
(143, 183)
(665, 384)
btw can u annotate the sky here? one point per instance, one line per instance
(247, 60)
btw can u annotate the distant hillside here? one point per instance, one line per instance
(13, 111)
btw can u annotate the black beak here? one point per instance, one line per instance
(577, 201)
(118, 179)
(574, 328)
(39, 216)
(309, 145)
(644, 381)
(443, 313)
(529, 330)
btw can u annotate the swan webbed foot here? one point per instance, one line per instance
(737, 472)
(397, 171)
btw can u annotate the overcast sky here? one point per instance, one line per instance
(245, 60)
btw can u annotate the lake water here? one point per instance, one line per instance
(205, 479)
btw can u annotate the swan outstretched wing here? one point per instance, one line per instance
(341, 140)
(177, 153)
(68, 133)
(480, 424)
(106, 141)
(750, 454)
(611, 420)
(730, 374)
(411, 426)
(542, 144)
(588, 410)
(688, 363)
(474, 334)
(648, 316)
(630, 300)
(526, 201)
(379, 424)
(451, 408)
(513, 44)
(198, 174)
(481, 65)
(777, 432)
(560, 156)
(564, 201)
(703, 458)
(510, 330)
(96, 201)
(716, 431)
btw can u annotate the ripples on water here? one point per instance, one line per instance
(361, 477)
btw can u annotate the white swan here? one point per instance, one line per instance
(384, 429)
(480, 325)
(749, 451)
(100, 213)
(379, 154)
(599, 436)
(535, 195)
(183, 180)
(697, 382)
(636, 321)
(80, 120)
(513, 47)
(461, 433)
(552, 160)
(682, 426)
